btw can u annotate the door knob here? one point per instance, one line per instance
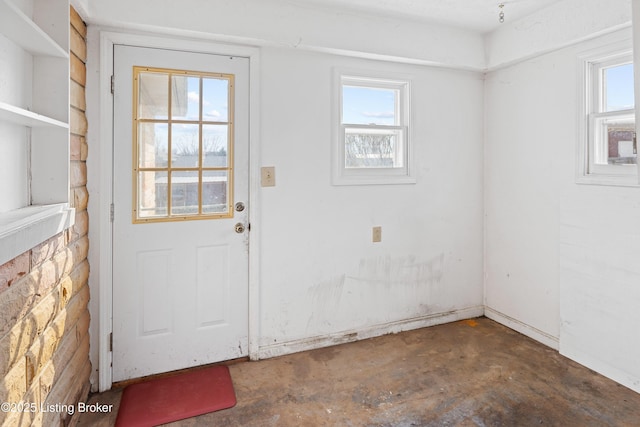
(239, 228)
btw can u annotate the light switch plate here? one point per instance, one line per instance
(268, 176)
(376, 234)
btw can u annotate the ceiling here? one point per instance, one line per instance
(476, 15)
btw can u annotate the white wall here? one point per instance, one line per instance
(321, 279)
(283, 23)
(564, 23)
(524, 122)
(560, 258)
(321, 274)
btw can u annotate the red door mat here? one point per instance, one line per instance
(185, 395)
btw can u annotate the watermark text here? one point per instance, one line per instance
(59, 408)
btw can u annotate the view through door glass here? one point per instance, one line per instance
(183, 145)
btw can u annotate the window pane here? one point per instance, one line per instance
(367, 106)
(153, 96)
(185, 98)
(153, 144)
(214, 192)
(215, 145)
(372, 148)
(215, 102)
(618, 88)
(615, 141)
(152, 194)
(184, 193)
(185, 145)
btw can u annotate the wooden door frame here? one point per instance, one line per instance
(101, 277)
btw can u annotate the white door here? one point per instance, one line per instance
(180, 238)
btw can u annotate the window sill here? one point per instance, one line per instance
(25, 228)
(373, 180)
(609, 180)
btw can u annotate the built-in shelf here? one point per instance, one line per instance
(20, 29)
(37, 62)
(23, 229)
(24, 117)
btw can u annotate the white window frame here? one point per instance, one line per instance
(591, 64)
(343, 175)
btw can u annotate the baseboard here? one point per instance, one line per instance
(603, 368)
(523, 328)
(311, 343)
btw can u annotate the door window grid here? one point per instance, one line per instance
(183, 145)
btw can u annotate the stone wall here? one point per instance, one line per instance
(44, 294)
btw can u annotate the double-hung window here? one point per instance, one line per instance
(372, 141)
(610, 150)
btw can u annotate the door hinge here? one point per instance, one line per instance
(111, 342)
(112, 210)
(112, 84)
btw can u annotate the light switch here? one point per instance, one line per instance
(268, 176)
(376, 234)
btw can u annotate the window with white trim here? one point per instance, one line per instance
(372, 138)
(609, 147)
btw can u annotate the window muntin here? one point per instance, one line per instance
(183, 145)
(611, 143)
(372, 141)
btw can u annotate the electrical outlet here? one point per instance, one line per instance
(268, 176)
(376, 234)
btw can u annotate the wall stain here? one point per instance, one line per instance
(402, 286)
(403, 270)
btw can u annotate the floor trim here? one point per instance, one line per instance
(523, 328)
(602, 367)
(311, 343)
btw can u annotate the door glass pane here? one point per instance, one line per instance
(185, 145)
(185, 98)
(153, 145)
(153, 96)
(214, 192)
(152, 194)
(215, 145)
(215, 102)
(183, 159)
(185, 191)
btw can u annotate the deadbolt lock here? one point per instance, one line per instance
(239, 227)
(239, 207)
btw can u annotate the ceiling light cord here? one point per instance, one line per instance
(501, 14)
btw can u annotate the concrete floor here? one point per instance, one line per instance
(468, 373)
